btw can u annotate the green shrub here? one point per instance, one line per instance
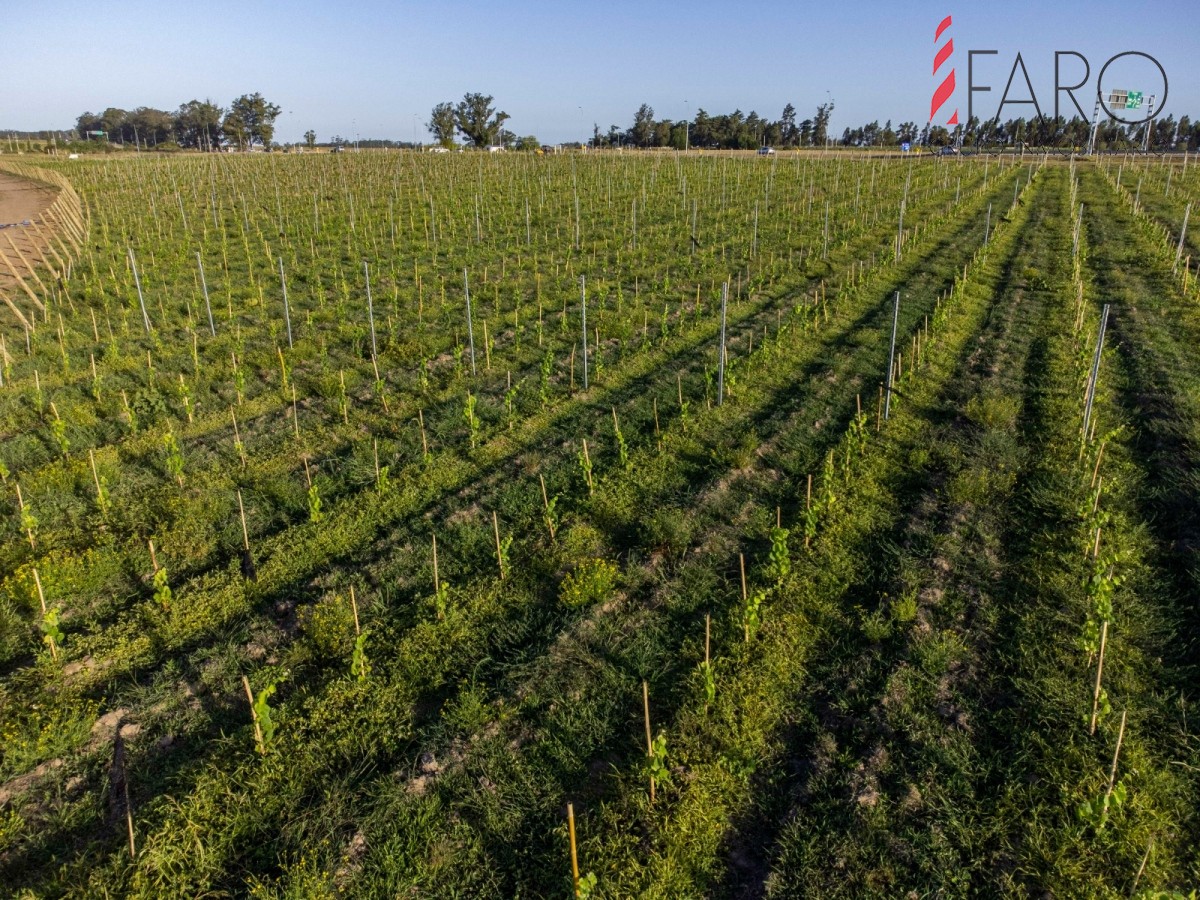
(592, 582)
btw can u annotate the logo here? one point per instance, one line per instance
(1117, 102)
(944, 90)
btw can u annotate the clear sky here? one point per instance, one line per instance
(376, 68)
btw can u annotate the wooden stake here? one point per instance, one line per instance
(237, 438)
(546, 504)
(649, 737)
(424, 443)
(437, 584)
(745, 596)
(499, 552)
(574, 855)
(1112, 773)
(258, 735)
(295, 414)
(21, 505)
(1141, 868)
(42, 599)
(95, 474)
(1099, 673)
(586, 458)
(1099, 456)
(354, 609)
(245, 532)
(808, 505)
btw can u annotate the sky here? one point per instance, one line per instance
(372, 68)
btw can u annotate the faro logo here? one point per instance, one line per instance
(1118, 102)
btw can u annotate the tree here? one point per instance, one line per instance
(150, 126)
(528, 142)
(198, 125)
(310, 138)
(821, 123)
(478, 120)
(88, 122)
(789, 134)
(251, 120)
(642, 132)
(441, 124)
(114, 121)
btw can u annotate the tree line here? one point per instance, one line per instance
(1165, 134)
(728, 131)
(248, 121)
(747, 131)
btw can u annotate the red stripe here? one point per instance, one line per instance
(942, 27)
(942, 94)
(943, 55)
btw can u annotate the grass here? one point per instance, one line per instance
(901, 715)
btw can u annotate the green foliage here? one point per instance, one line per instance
(779, 559)
(592, 582)
(587, 888)
(314, 504)
(510, 399)
(59, 429)
(162, 590)
(52, 635)
(710, 682)
(360, 667)
(752, 612)
(263, 711)
(657, 766)
(174, 456)
(441, 600)
(1095, 812)
(585, 466)
(471, 419)
(622, 448)
(547, 369)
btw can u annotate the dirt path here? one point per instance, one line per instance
(21, 200)
(27, 244)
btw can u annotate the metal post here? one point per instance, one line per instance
(987, 226)
(470, 329)
(287, 313)
(1179, 249)
(1095, 127)
(1091, 391)
(583, 303)
(370, 308)
(138, 282)
(900, 230)
(887, 398)
(204, 286)
(1078, 226)
(721, 351)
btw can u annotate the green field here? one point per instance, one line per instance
(764, 641)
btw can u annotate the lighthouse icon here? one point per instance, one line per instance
(945, 89)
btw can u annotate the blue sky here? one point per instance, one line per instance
(376, 68)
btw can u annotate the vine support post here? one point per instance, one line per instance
(1099, 675)
(470, 329)
(207, 305)
(721, 350)
(1095, 373)
(649, 736)
(287, 313)
(583, 307)
(571, 831)
(887, 399)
